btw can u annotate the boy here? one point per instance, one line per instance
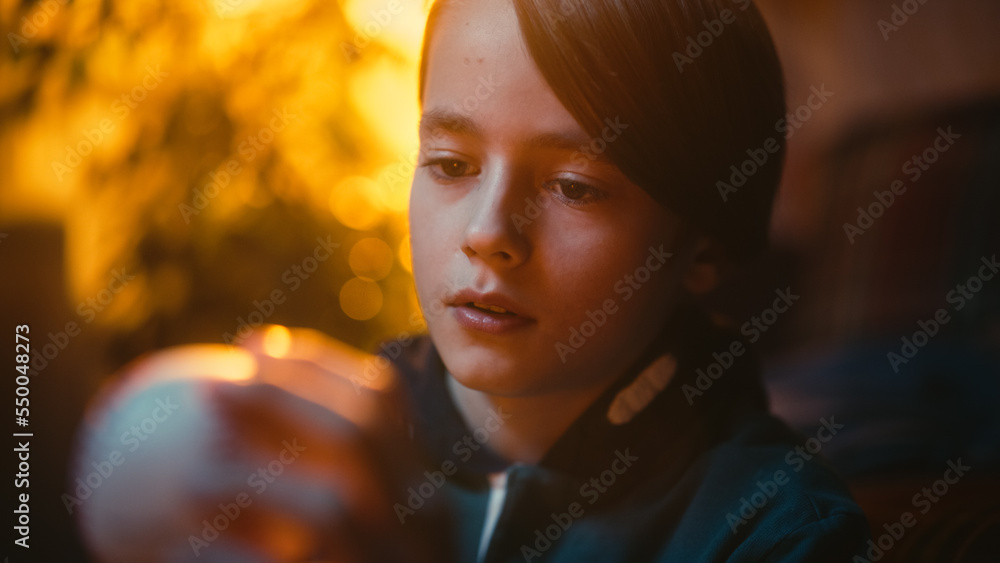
(571, 402)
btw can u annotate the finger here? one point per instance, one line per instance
(283, 429)
(264, 413)
(335, 357)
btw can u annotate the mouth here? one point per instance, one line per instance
(487, 308)
(491, 313)
(492, 302)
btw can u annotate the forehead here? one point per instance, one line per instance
(474, 34)
(479, 67)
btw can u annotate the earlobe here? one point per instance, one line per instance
(704, 272)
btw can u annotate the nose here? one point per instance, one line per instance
(491, 234)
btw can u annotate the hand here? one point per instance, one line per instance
(278, 451)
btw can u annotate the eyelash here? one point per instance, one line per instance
(433, 166)
(593, 194)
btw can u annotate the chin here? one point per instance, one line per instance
(508, 367)
(488, 371)
(477, 368)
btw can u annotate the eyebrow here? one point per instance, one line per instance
(569, 142)
(446, 121)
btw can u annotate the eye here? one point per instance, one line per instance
(574, 192)
(449, 168)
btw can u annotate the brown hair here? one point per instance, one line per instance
(697, 82)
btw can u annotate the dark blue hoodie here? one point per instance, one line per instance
(674, 462)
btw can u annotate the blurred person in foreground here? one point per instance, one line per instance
(571, 205)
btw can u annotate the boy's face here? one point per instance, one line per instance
(514, 206)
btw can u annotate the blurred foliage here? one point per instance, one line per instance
(203, 146)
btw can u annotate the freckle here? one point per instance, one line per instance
(466, 61)
(480, 60)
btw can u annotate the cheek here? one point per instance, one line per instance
(422, 236)
(599, 264)
(613, 274)
(620, 281)
(432, 241)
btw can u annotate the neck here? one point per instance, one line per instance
(521, 429)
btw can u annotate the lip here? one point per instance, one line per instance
(489, 322)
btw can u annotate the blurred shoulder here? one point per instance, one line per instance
(773, 497)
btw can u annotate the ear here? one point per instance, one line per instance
(705, 271)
